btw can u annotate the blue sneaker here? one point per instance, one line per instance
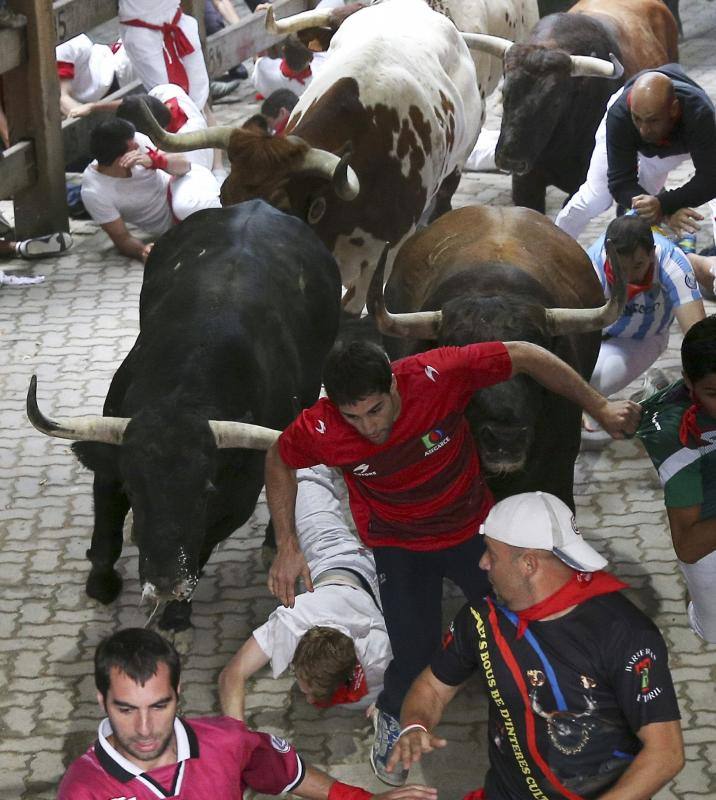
(387, 730)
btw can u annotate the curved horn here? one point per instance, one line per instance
(109, 430)
(590, 67)
(494, 45)
(562, 321)
(337, 170)
(241, 434)
(217, 136)
(318, 18)
(418, 325)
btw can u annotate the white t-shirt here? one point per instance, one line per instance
(94, 66)
(328, 543)
(140, 200)
(153, 11)
(194, 119)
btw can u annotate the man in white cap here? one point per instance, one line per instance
(581, 699)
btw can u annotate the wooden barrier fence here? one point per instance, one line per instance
(32, 169)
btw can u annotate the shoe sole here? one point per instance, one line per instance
(386, 780)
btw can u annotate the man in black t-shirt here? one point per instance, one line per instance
(581, 699)
(659, 119)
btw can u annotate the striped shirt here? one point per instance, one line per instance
(652, 312)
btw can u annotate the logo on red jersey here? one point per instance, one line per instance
(434, 440)
(280, 744)
(364, 471)
(321, 427)
(431, 372)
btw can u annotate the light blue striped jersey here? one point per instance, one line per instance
(650, 312)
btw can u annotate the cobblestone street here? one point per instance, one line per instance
(73, 330)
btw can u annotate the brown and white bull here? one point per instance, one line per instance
(398, 91)
(480, 274)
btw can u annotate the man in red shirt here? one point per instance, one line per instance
(399, 434)
(144, 751)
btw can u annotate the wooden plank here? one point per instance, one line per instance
(76, 132)
(12, 49)
(17, 169)
(236, 43)
(73, 17)
(32, 104)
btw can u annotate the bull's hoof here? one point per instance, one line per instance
(103, 585)
(176, 616)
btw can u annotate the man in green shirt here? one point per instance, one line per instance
(678, 429)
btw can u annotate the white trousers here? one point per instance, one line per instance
(326, 540)
(145, 49)
(622, 361)
(701, 579)
(593, 196)
(196, 190)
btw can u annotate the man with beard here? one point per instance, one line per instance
(581, 701)
(144, 750)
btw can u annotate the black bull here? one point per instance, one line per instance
(491, 273)
(238, 309)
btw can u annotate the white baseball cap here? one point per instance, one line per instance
(542, 521)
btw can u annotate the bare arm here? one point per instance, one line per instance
(689, 313)
(232, 682)
(123, 240)
(659, 760)
(693, 537)
(227, 10)
(85, 109)
(617, 417)
(423, 705)
(67, 102)
(317, 784)
(177, 163)
(289, 563)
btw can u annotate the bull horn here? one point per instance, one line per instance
(563, 321)
(108, 430)
(590, 67)
(241, 434)
(317, 18)
(218, 136)
(418, 325)
(494, 45)
(345, 182)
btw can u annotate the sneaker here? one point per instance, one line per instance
(42, 246)
(11, 19)
(220, 89)
(387, 730)
(654, 381)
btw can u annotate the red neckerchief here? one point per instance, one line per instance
(178, 117)
(633, 289)
(301, 76)
(689, 430)
(280, 128)
(176, 46)
(580, 587)
(65, 70)
(477, 794)
(350, 692)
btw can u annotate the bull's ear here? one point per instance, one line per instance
(98, 457)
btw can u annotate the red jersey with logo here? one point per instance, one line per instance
(422, 488)
(216, 757)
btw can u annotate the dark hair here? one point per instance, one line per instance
(698, 349)
(629, 233)
(137, 653)
(257, 122)
(109, 139)
(130, 109)
(354, 371)
(281, 98)
(324, 659)
(297, 55)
